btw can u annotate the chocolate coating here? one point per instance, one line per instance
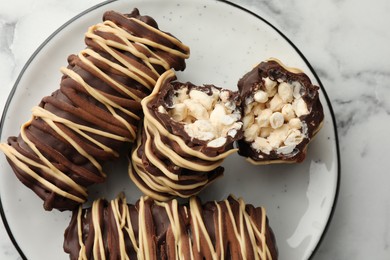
(228, 229)
(166, 161)
(276, 71)
(96, 110)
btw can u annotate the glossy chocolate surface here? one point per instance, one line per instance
(96, 110)
(228, 229)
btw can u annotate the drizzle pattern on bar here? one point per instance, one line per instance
(96, 110)
(228, 229)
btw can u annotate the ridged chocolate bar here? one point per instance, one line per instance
(96, 110)
(228, 229)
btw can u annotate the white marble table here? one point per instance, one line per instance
(346, 41)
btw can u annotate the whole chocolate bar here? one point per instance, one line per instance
(96, 110)
(282, 112)
(187, 132)
(228, 229)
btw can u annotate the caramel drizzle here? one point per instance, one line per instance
(187, 245)
(163, 187)
(121, 221)
(200, 228)
(158, 187)
(24, 162)
(82, 251)
(129, 42)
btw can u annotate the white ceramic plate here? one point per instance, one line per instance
(226, 41)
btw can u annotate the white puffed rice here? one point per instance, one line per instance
(206, 117)
(272, 114)
(285, 92)
(276, 120)
(276, 103)
(261, 96)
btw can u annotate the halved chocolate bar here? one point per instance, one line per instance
(281, 113)
(228, 229)
(187, 132)
(60, 151)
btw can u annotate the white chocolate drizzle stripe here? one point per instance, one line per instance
(199, 226)
(237, 234)
(174, 157)
(131, 47)
(290, 69)
(151, 182)
(110, 27)
(105, 27)
(128, 46)
(82, 252)
(173, 216)
(105, 76)
(144, 250)
(249, 229)
(131, 71)
(50, 168)
(172, 39)
(220, 233)
(20, 161)
(145, 190)
(154, 160)
(43, 113)
(247, 224)
(161, 184)
(101, 98)
(129, 228)
(260, 235)
(78, 148)
(98, 246)
(120, 221)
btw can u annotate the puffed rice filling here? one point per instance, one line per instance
(211, 118)
(272, 117)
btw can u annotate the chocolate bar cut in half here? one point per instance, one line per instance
(187, 132)
(282, 113)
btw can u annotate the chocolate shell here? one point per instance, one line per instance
(187, 132)
(228, 229)
(96, 110)
(282, 113)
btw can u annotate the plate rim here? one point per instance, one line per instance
(73, 19)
